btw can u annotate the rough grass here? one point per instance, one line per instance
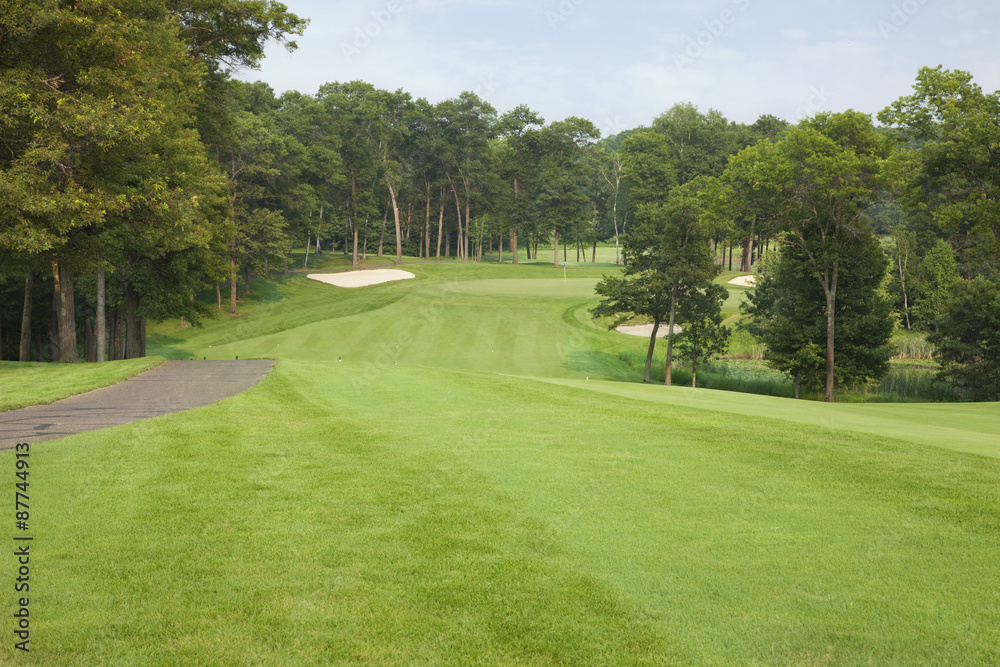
(32, 383)
(423, 504)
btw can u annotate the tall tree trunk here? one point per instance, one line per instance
(614, 217)
(647, 375)
(597, 229)
(440, 223)
(89, 340)
(747, 260)
(381, 233)
(513, 231)
(395, 217)
(66, 313)
(458, 210)
(902, 283)
(831, 320)
(115, 350)
(111, 336)
(354, 257)
(232, 286)
(246, 281)
(427, 224)
(135, 341)
(305, 262)
(120, 340)
(668, 380)
(354, 219)
(53, 349)
(29, 287)
(100, 331)
(218, 297)
(468, 215)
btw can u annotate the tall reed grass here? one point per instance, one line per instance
(913, 345)
(744, 345)
(902, 384)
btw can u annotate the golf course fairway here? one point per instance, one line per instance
(459, 469)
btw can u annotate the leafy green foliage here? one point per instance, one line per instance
(932, 282)
(957, 128)
(103, 166)
(820, 179)
(702, 333)
(968, 339)
(786, 310)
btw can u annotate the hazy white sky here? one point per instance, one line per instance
(621, 64)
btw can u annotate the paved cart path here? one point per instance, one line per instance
(171, 387)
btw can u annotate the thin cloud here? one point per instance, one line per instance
(618, 64)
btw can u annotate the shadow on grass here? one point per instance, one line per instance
(600, 366)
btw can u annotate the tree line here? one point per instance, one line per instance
(137, 173)
(117, 163)
(874, 227)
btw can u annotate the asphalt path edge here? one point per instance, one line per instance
(173, 386)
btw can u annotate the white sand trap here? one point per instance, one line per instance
(743, 281)
(646, 330)
(362, 278)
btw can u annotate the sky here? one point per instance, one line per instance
(621, 64)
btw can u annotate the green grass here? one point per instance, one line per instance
(24, 384)
(500, 490)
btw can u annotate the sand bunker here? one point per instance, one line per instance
(743, 281)
(362, 278)
(646, 330)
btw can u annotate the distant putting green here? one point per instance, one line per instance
(459, 469)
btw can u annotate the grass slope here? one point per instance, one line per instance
(963, 427)
(421, 504)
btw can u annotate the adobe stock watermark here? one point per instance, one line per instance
(388, 353)
(563, 12)
(487, 86)
(613, 126)
(814, 103)
(365, 35)
(714, 29)
(901, 15)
